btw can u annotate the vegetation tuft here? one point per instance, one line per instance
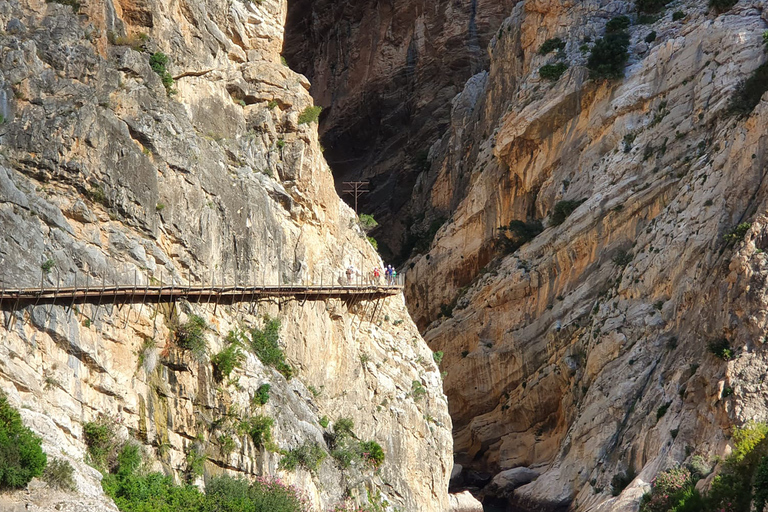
(159, 63)
(191, 336)
(308, 456)
(721, 348)
(262, 395)
(310, 114)
(227, 360)
(59, 474)
(264, 343)
(259, 428)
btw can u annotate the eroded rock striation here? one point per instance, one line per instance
(583, 354)
(121, 168)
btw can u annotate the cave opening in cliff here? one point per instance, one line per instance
(385, 74)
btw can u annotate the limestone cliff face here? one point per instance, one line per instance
(105, 173)
(386, 72)
(560, 356)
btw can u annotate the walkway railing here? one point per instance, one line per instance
(357, 287)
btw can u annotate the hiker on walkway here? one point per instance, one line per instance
(393, 277)
(388, 273)
(350, 274)
(376, 275)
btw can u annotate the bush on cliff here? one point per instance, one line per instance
(264, 343)
(749, 92)
(609, 56)
(134, 490)
(21, 456)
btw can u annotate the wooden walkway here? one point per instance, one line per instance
(14, 299)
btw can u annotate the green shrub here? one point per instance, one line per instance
(418, 391)
(129, 458)
(670, 487)
(102, 445)
(609, 55)
(553, 72)
(343, 427)
(159, 63)
(226, 361)
(551, 45)
(59, 474)
(517, 234)
(259, 428)
(620, 481)
(262, 395)
(438, 356)
(678, 15)
(310, 114)
(264, 343)
(367, 222)
(135, 491)
(324, 421)
(373, 243)
(737, 234)
(226, 444)
(662, 410)
(721, 348)
(617, 24)
(372, 453)
(748, 93)
(345, 456)
(196, 459)
(21, 456)
(47, 266)
(191, 336)
(721, 6)
(651, 37)
(309, 456)
(651, 6)
(562, 210)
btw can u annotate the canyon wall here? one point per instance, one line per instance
(583, 354)
(192, 171)
(386, 72)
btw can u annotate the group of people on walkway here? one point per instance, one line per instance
(390, 275)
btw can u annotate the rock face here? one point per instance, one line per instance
(386, 73)
(111, 172)
(583, 354)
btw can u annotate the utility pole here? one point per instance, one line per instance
(356, 188)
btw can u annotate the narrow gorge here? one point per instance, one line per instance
(574, 193)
